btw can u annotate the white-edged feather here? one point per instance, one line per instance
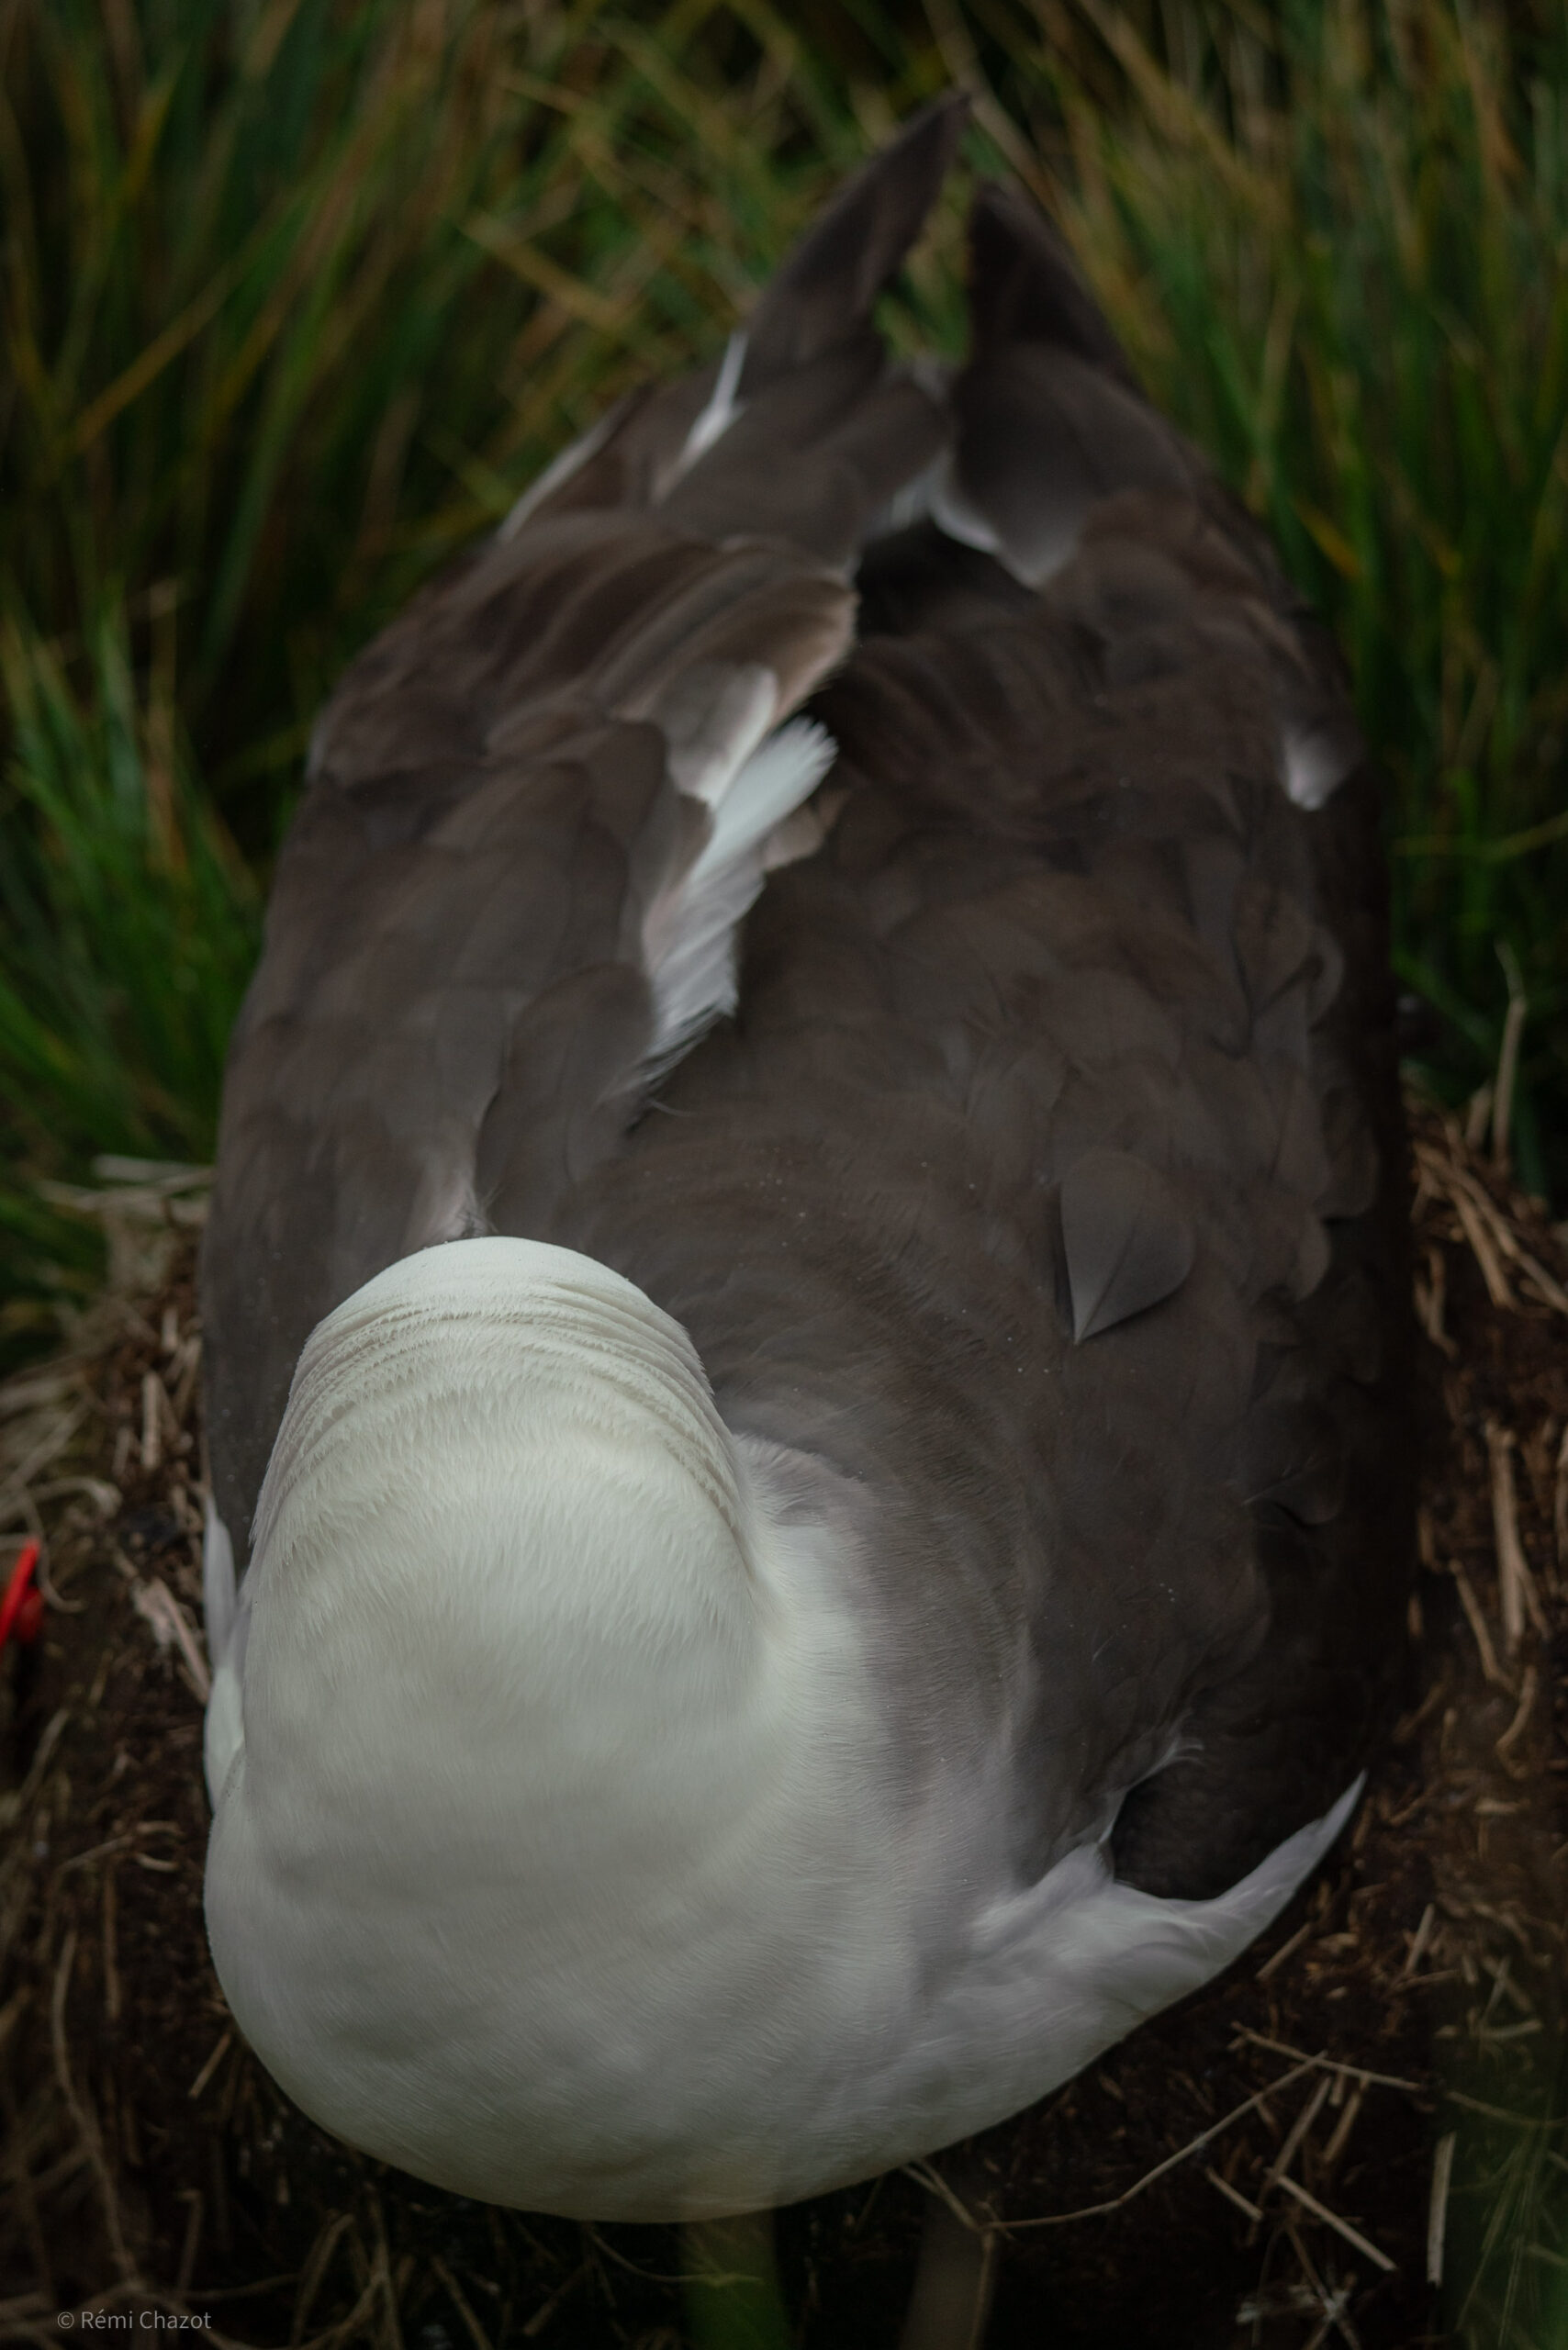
(219, 1602)
(722, 410)
(958, 517)
(1315, 766)
(226, 1611)
(781, 772)
(690, 933)
(712, 718)
(571, 460)
(908, 505)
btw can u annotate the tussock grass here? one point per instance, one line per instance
(130, 919)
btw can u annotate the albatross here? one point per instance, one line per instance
(804, 1301)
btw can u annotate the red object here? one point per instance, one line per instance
(21, 1610)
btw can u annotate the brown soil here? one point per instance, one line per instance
(1301, 2105)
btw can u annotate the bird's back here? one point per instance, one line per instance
(1035, 1196)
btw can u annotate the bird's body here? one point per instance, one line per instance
(816, 1567)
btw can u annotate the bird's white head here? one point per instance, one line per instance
(507, 1654)
(502, 1502)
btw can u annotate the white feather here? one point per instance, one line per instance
(1315, 766)
(689, 935)
(560, 469)
(956, 516)
(781, 772)
(219, 1602)
(720, 411)
(227, 1613)
(908, 505)
(712, 718)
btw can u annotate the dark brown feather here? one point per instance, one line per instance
(829, 283)
(1046, 1195)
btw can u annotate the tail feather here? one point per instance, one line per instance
(826, 289)
(1050, 421)
(1057, 460)
(1025, 286)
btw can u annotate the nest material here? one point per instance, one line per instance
(1346, 2139)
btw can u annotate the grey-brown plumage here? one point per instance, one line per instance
(1046, 1188)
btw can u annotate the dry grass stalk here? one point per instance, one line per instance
(1297, 2134)
(108, 1942)
(1341, 2227)
(1334, 2320)
(1182, 2154)
(454, 2293)
(1431, 1298)
(1334, 2306)
(1514, 1582)
(212, 2066)
(1549, 1290)
(1332, 2064)
(1420, 1941)
(1492, 1237)
(1438, 2211)
(1478, 1116)
(1516, 1727)
(535, 2325)
(926, 2175)
(1485, 1256)
(1479, 1626)
(151, 1422)
(313, 2274)
(1507, 1065)
(1276, 1960)
(1233, 2195)
(192, 2242)
(158, 1607)
(90, 2136)
(1341, 2137)
(13, 1808)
